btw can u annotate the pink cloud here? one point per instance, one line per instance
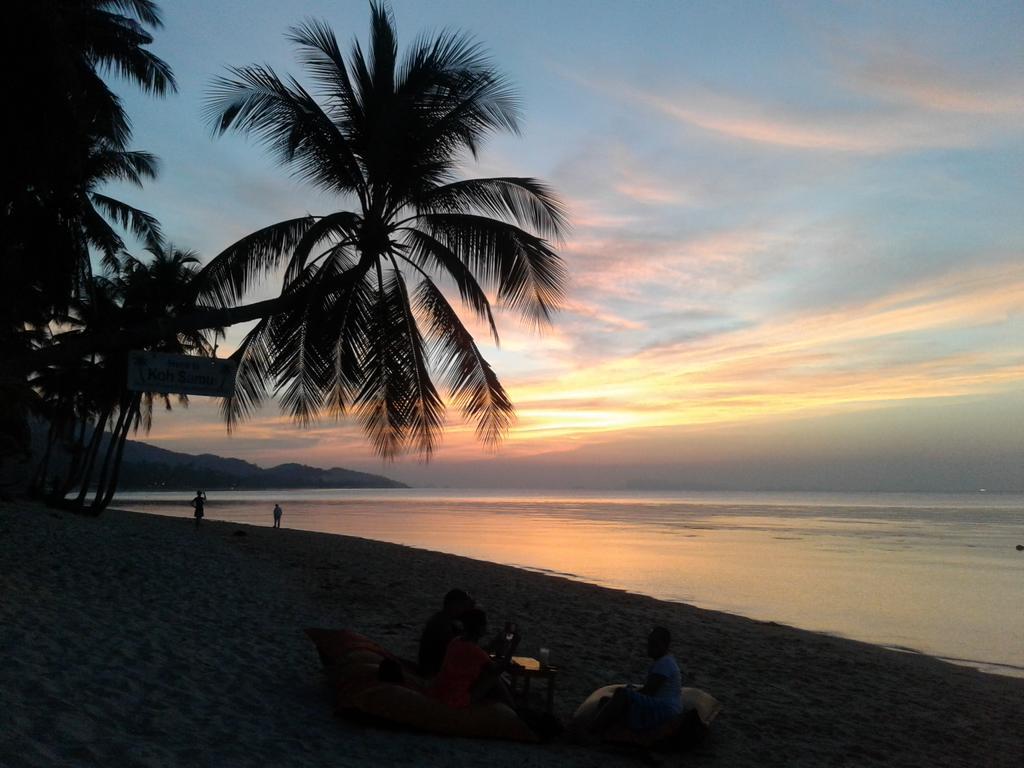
(900, 74)
(927, 114)
(624, 267)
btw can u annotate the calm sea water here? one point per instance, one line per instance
(935, 574)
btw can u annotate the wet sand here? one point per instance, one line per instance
(136, 640)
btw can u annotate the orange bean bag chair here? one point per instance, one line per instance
(352, 662)
(336, 645)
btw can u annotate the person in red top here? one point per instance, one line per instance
(468, 674)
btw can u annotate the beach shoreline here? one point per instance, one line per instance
(936, 580)
(134, 639)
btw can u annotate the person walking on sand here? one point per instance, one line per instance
(277, 515)
(198, 503)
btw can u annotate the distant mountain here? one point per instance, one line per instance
(147, 467)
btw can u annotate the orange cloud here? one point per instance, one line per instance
(812, 362)
(856, 132)
(824, 360)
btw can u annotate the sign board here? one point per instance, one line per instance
(180, 374)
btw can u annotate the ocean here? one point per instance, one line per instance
(934, 574)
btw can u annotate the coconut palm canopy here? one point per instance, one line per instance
(366, 324)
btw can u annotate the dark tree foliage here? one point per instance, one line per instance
(364, 323)
(90, 410)
(67, 135)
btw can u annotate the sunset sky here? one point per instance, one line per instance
(797, 256)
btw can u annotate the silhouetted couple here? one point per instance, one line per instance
(450, 654)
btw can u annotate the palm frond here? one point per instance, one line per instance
(380, 404)
(468, 376)
(459, 86)
(107, 116)
(525, 202)
(100, 235)
(426, 252)
(425, 409)
(227, 277)
(384, 51)
(106, 164)
(320, 53)
(302, 369)
(289, 121)
(252, 377)
(141, 224)
(145, 11)
(346, 331)
(528, 274)
(465, 104)
(115, 43)
(343, 224)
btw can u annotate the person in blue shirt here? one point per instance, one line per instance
(654, 704)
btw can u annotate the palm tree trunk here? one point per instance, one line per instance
(108, 456)
(76, 451)
(38, 485)
(145, 333)
(84, 459)
(104, 495)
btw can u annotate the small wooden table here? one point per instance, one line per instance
(527, 669)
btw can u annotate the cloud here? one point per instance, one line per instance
(818, 359)
(855, 131)
(924, 74)
(900, 101)
(642, 268)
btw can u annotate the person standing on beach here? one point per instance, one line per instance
(277, 515)
(198, 503)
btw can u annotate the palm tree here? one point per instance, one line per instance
(69, 133)
(88, 404)
(362, 323)
(156, 289)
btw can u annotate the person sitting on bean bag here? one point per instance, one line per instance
(653, 705)
(468, 674)
(439, 631)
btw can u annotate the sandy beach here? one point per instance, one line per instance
(134, 640)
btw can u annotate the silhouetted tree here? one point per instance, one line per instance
(67, 135)
(89, 406)
(362, 323)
